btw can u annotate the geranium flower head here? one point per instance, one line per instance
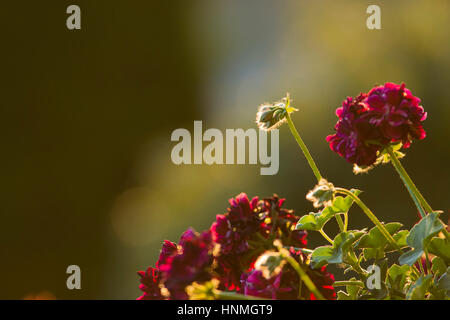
(388, 114)
(192, 262)
(232, 232)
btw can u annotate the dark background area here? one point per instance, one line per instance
(86, 118)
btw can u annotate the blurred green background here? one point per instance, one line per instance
(86, 119)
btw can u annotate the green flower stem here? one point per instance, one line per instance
(371, 216)
(340, 223)
(304, 148)
(407, 180)
(345, 221)
(303, 276)
(427, 261)
(417, 197)
(348, 283)
(414, 198)
(228, 295)
(326, 236)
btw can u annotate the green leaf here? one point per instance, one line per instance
(352, 292)
(419, 289)
(375, 243)
(397, 276)
(438, 266)
(419, 237)
(341, 295)
(441, 248)
(315, 221)
(444, 283)
(400, 239)
(375, 239)
(371, 253)
(338, 252)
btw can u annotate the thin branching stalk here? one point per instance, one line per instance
(345, 221)
(371, 216)
(326, 236)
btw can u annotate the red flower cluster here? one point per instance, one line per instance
(241, 230)
(150, 279)
(237, 238)
(179, 266)
(367, 123)
(232, 231)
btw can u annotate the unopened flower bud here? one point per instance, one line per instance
(271, 116)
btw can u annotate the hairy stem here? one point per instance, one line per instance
(407, 180)
(304, 148)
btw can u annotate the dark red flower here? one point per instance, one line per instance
(192, 263)
(353, 134)
(232, 231)
(366, 124)
(242, 230)
(254, 284)
(169, 248)
(149, 284)
(396, 112)
(323, 281)
(150, 279)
